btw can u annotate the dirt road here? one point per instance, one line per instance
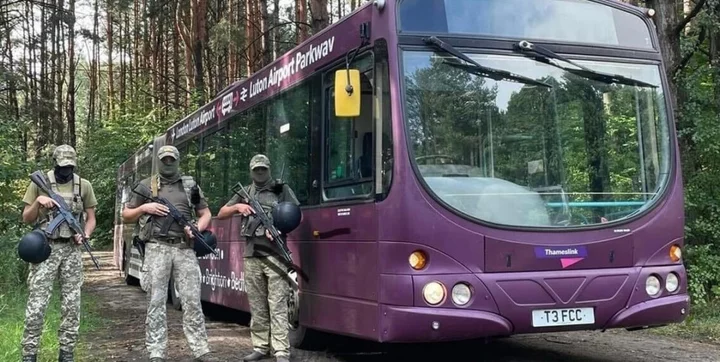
(122, 338)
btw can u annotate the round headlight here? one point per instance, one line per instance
(434, 293)
(672, 282)
(461, 294)
(652, 285)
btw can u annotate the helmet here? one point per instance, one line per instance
(210, 239)
(34, 247)
(286, 216)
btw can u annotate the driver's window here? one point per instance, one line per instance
(349, 155)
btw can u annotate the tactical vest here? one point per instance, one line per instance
(74, 201)
(143, 229)
(267, 198)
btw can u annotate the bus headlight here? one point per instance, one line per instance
(461, 294)
(672, 282)
(434, 293)
(652, 285)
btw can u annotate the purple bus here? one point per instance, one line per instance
(466, 169)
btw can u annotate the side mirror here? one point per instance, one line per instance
(347, 93)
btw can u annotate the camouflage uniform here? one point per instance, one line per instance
(172, 254)
(65, 261)
(267, 284)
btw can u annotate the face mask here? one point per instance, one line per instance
(63, 174)
(260, 175)
(169, 170)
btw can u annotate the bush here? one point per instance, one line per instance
(703, 266)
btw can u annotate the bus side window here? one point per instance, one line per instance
(213, 167)
(189, 158)
(349, 154)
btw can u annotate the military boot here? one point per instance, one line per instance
(29, 358)
(254, 356)
(66, 356)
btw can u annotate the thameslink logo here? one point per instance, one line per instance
(567, 255)
(549, 252)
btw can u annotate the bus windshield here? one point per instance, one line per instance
(579, 152)
(571, 21)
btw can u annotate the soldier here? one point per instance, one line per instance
(267, 288)
(171, 253)
(65, 258)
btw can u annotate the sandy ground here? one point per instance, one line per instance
(122, 337)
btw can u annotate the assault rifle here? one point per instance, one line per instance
(265, 220)
(175, 215)
(63, 214)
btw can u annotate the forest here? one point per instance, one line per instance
(106, 76)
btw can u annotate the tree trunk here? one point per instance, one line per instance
(320, 17)
(199, 21)
(301, 19)
(110, 75)
(71, 75)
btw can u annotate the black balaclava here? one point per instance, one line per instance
(64, 174)
(170, 171)
(260, 176)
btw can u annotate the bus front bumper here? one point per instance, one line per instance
(423, 324)
(420, 324)
(662, 311)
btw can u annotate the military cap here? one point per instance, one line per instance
(65, 155)
(259, 161)
(168, 150)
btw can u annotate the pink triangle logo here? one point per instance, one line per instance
(566, 262)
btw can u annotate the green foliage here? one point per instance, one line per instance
(12, 317)
(704, 273)
(699, 130)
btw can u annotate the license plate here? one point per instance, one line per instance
(562, 317)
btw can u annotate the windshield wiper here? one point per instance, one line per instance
(477, 69)
(544, 55)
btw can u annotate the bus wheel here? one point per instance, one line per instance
(174, 295)
(300, 336)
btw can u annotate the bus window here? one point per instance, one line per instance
(349, 168)
(382, 110)
(144, 170)
(189, 154)
(288, 135)
(246, 137)
(212, 164)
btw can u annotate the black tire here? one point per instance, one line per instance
(300, 336)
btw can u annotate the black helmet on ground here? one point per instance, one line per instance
(286, 216)
(34, 247)
(210, 239)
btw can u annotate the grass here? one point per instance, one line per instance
(703, 324)
(12, 317)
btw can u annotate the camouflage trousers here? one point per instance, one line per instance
(267, 290)
(65, 260)
(160, 261)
